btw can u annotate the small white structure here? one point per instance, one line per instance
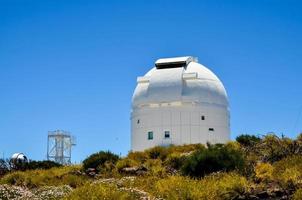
(18, 158)
(179, 101)
(59, 146)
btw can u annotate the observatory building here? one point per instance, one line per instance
(179, 101)
(16, 159)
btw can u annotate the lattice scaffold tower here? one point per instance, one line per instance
(59, 145)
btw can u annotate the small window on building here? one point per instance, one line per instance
(203, 118)
(211, 129)
(150, 135)
(167, 134)
(138, 121)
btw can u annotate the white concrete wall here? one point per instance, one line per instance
(184, 123)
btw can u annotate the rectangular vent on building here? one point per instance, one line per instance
(211, 129)
(170, 65)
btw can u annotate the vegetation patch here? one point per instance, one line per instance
(99, 160)
(249, 168)
(213, 159)
(51, 177)
(217, 186)
(100, 191)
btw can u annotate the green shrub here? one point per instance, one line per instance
(216, 158)
(247, 140)
(158, 152)
(45, 164)
(175, 161)
(97, 160)
(99, 191)
(6, 166)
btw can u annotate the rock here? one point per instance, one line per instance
(141, 170)
(91, 172)
(130, 170)
(252, 197)
(77, 173)
(285, 197)
(240, 197)
(171, 170)
(263, 195)
(140, 173)
(278, 192)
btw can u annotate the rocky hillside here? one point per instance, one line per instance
(248, 168)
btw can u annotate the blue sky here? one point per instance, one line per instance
(73, 65)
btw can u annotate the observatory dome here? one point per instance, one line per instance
(179, 101)
(195, 83)
(18, 158)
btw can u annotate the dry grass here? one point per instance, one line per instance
(288, 171)
(99, 191)
(51, 177)
(214, 187)
(159, 182)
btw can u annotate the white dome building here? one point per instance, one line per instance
(179, 101)
(18, 158)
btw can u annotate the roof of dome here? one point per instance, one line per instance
(179, 79)
(20, 156)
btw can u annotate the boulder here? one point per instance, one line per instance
(138, 170)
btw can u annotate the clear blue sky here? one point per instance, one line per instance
(73, 65)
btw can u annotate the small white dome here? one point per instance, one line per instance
(195, 83)
(18, 157)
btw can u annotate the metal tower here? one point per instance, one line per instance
(59, 144)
